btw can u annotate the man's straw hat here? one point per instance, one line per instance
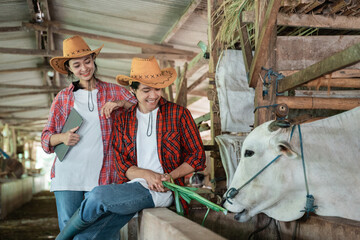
(148, 72)
(74, 47)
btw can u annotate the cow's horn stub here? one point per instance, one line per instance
(275, 125)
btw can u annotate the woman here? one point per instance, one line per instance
(89, 162)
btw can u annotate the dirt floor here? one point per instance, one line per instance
(36, 219)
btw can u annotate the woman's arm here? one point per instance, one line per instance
(109, 107)
(69, 138)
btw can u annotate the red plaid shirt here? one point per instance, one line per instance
(60, 109)
(178, 140)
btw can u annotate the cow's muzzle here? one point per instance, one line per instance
(237, 216)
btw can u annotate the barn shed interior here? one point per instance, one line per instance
(239, 64)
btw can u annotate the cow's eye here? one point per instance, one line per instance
(249, 153)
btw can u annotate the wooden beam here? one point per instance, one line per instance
(201, 93)
(261, 52)
(30, 69)
(197, 82)
(245, 45)
(53, 27)
(180, 22)
(334, 82)
(328, 94)
(343, 73)
(319, 21)
(337, 61)
(292, 3)
(22, 107)
(319, 103)
(33, 52)
(22, 118)
(195, 64)
(310, 20)
(11, 29)
(28, 93)
(4, 85)
(181, 94)
(47, 53)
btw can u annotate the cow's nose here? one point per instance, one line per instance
(223, 200)
(238, 215)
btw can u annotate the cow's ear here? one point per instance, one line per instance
(285, 148)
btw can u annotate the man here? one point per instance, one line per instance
(154, 141)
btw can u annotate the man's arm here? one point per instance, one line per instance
(154, 179)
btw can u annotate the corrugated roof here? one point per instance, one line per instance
(145, 21)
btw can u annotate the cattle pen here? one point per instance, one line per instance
(240, 64)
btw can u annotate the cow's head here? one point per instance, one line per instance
(272, 191)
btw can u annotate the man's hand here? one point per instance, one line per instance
(154, 181)
(70, 138)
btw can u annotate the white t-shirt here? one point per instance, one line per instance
(80, 169)
(147, 154)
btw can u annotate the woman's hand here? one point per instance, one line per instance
(109, 107)
(70, 138)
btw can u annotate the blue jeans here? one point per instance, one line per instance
(110, 207)
(67, 202)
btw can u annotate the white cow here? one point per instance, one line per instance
(332, 159)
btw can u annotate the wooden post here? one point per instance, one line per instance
(217, 170)
(266, 43)
(181, 94)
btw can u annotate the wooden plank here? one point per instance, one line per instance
(28, 93)
(337, 61)
(261, 50)
(343, 73)
(334, 82)
(245, 45)
(296, 52)
(195, 64)
(181, 94)
(22, 107)
(49, 53)
(180, 22)
(292, 3)
(310, 20)
(328, 94)
(11, 29)
(4, 85)
(319, 103)
(155, 47)
(16, 70)
(21, 118)
(197, 82)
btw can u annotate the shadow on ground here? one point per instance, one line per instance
(36, 219)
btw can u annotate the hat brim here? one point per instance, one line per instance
(168, 76)
(58, 63)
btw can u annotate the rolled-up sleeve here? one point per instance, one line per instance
(191, 142)
(54, 124)
(122, 160)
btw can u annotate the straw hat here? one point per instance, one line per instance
(74, 47)
(148, 72)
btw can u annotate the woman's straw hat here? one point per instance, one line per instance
(148, 72)
(74, 47)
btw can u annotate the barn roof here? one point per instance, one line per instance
(32, 32)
